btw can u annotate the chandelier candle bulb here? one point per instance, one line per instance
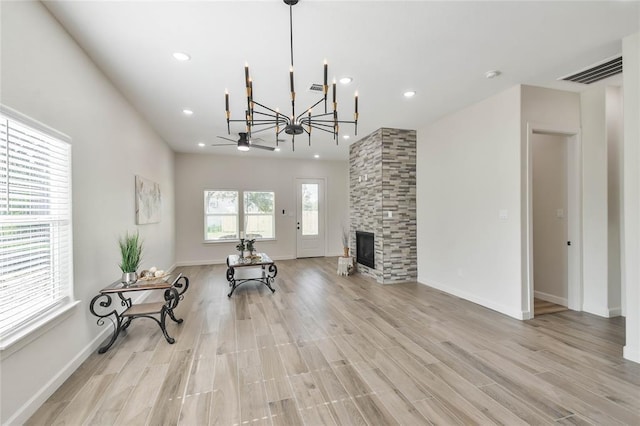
(334, 93)
(291, 79)
(226, 100)
(356, 110)
(326, 71)
(246, 74)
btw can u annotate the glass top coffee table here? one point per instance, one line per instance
(267, 273)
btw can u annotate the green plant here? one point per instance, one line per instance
(131, 252)
(250, 246)
(240, 245)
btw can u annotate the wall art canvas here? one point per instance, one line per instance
(148, 201)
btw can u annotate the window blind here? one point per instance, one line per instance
(35, 224)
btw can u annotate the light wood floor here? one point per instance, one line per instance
(344, 350)
(542, 307)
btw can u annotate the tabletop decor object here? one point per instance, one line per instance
(131, 255)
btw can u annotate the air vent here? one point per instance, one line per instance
(599, 72)
(315, 87)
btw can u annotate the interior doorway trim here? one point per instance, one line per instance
(574, 215)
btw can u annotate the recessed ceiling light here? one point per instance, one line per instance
(316, 156)
(187, 112)
(409, 94)
(277, 149)
(346, 137)
(181, 56)
(346, 80)
(492, 74)
(200, 144)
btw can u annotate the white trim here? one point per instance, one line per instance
(551, 298)
(632, 354)
(16, 341)
(602, 311)
(489, 304)
(574, 216)
(224, 261)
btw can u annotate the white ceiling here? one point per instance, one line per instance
(439, 49)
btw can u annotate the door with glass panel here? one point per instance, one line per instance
(310, 225)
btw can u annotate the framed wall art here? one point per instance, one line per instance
(148, 201)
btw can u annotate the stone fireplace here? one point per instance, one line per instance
(382, 194)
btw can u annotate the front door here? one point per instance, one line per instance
(310, 218)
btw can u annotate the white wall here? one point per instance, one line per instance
(549, 178)
(46, 76)
(197, 172)
(615, 138)
(468, 171)
(553, 111)
(631, 194)
(595, 201)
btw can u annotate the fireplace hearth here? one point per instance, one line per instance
(365, 249)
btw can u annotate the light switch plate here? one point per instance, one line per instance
(503, 214)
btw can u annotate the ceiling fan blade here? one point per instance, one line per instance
(224, 144)
(227, 139)
(266, 148)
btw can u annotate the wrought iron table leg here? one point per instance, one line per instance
(172, 316)
(163, 327)
(116, 332)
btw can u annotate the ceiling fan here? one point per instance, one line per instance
(244, 144)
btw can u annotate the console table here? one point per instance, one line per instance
(174, 287)
(268, 268)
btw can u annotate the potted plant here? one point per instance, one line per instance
(131, 255)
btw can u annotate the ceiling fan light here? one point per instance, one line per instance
(243, 147)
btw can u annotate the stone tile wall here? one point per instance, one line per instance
(382, 168)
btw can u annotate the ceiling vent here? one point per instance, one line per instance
(596, 73)
(315, 87)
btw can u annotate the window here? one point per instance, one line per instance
(35, 225)
(259, 220)
(224, 219)
(220, 215)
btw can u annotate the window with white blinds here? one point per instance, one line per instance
(35, 223)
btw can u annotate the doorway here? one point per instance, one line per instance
(553, 219)
(310, 232)
(549, 154)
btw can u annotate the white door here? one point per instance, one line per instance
(310, 218)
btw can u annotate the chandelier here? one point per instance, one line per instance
(260, 118)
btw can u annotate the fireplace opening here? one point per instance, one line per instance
(365, 249)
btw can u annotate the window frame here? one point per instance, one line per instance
(241, 216)
(207, 215)
(30, 327)
(246, 214)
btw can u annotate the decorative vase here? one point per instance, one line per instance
(129, 278)
(346, 251)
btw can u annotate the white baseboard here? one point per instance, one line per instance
(224, 261)
(632, 354)
(517, 314)
(551, 298)
(40, 397)
(602, 311)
